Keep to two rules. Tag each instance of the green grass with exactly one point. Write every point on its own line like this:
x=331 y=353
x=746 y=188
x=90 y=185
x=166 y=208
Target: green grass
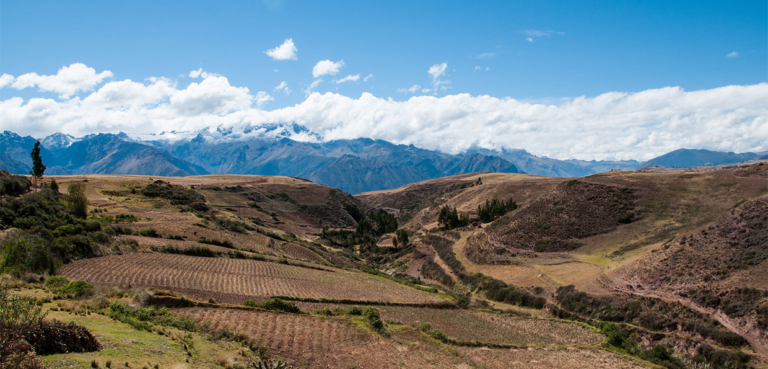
x=122 y=343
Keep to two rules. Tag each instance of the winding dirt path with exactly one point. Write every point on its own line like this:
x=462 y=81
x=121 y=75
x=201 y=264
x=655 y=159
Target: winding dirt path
x=752 y=335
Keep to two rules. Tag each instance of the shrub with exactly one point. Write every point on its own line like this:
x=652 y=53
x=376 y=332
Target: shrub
x=151 y=232
x=78 y=201
x=280 y=305
x=56 y=282
x=177 y=237
x=355 y=310
x=250 y=303
x=425 y=327
x=77 y=288
x=15 y=310
x=225 y=243
x=439 y=335
x=20 y=254
x=325 y=311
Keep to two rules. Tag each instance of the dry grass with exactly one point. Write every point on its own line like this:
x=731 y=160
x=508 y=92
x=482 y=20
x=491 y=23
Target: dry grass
x=471 y=325
x=231 y=280
x=570 y=358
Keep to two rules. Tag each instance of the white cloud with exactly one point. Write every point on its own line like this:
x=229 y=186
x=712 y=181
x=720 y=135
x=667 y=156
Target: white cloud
x=68 y=81
x=367 y=77
x=529 y=39
x=411 y=89
x=613 y=125
x=732 y=54
x=349 y=78
x=437 y=70
x=286 y=51
x=311 y=87
x=6 y=80
x=324 y=67
x=283 y=87
x=201 y=73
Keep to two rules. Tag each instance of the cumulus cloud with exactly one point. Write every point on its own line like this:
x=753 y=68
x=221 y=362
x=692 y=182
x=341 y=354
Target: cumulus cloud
x=6 y=80
x=349 y=78
x=324 y=67
x=200 y=73
x=732 y=54
x=283 y=87
x=613 y=125
x=286 y=51
x=68 y=81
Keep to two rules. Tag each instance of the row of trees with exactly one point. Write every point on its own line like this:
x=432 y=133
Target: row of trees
x=494 y=208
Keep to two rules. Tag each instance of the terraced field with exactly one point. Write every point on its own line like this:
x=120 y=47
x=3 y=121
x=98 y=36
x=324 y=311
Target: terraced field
x=570 y=358
x=234 y=280
x=328 y=343
x=472 y=325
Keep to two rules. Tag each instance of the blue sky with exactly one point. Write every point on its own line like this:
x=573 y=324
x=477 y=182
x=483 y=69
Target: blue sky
x=595 y=47
x=566 y=79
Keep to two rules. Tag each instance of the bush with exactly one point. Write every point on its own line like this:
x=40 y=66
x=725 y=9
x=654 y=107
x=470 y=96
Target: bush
x=149 y=233
x=15 y=310
x=78 y=201
x=77 y=288
x=21 y=254
x=225 y=243
x=280 y=305
x=177 y=237
x=439 y=335
x=325 y=312
x=54 y=283
x=178 y=195
x=355 y=310
x=250 y=303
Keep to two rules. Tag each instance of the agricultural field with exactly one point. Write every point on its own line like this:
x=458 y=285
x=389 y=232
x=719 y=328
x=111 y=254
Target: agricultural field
x=491 y=293
x=234 y=280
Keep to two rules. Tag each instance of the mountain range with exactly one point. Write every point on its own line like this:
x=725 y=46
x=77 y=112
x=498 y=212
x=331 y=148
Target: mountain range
x=354 y=166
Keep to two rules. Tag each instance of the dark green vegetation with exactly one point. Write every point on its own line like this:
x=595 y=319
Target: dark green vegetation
x=38 y=168
x=495 y=208
x=274 y=304
x=144 y=318
x=50 y=230
x=449 y=218
x=13 y=185
x=178 y=195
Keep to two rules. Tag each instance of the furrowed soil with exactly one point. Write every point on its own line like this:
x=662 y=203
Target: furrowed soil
x=234 y=280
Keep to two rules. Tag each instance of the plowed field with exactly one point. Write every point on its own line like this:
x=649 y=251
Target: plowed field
x=327 y=343
x=234 y=280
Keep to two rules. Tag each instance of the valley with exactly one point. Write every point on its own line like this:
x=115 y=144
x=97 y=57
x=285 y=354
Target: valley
x=619 y=269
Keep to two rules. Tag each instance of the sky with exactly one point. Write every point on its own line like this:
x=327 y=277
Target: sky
x=565 y=79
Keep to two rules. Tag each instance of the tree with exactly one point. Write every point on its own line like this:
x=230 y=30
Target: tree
x=54 y=186
x=394 y=242
x=38 y=168
x=78 y=201
x=449 y=218
x=402 y=237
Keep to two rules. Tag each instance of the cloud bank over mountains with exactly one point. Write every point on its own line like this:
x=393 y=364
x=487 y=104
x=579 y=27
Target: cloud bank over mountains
x=613 y=125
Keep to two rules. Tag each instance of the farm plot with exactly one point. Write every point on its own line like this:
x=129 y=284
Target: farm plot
x=570 y=358
x=234 y=280
x=310 y=342
x=160 y=242
x=486 y=327
x=300 y=252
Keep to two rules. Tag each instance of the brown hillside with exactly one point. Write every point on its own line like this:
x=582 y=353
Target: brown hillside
x=557 y=220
